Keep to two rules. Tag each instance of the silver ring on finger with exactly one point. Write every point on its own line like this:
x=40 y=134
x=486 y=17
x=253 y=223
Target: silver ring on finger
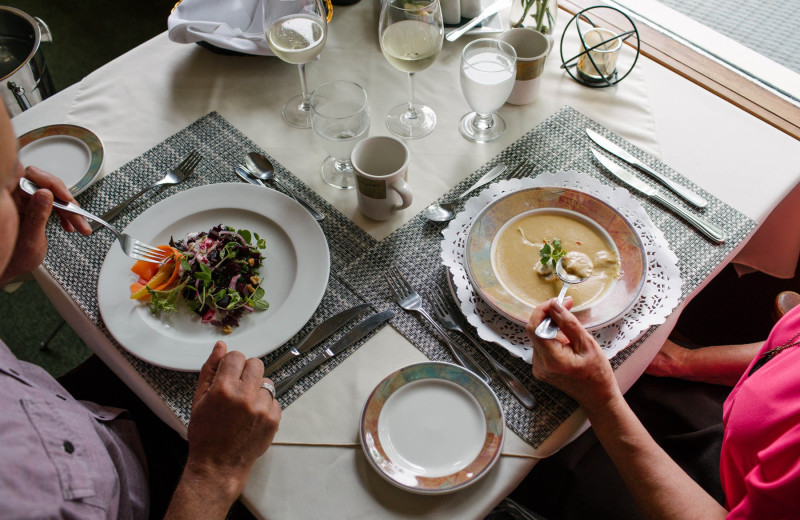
x=269 y=387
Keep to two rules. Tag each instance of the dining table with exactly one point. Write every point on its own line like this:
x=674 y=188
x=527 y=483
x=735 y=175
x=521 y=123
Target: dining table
x=163 y=98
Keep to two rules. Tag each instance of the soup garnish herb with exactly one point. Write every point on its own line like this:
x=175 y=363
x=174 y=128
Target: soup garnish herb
x=551 y=252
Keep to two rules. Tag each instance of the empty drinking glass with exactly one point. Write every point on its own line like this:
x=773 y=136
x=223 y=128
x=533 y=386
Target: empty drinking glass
x=340 y=118
x=488 y=70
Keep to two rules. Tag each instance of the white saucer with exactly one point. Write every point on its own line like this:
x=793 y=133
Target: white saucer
x=71 y=153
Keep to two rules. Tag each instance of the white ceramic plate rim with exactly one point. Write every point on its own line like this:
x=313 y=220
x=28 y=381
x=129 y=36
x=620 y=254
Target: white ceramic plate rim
x=145 y=336
x=92 y=143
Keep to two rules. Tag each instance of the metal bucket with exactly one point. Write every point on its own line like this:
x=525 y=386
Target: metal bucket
x=25 y=78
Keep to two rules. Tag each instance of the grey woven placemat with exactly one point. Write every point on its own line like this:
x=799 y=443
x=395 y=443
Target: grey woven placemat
x=559 y=143
x=75 y=261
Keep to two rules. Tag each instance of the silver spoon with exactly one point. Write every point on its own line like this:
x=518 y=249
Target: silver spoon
x=259 y=167
x=547 y=329
x=446 y=211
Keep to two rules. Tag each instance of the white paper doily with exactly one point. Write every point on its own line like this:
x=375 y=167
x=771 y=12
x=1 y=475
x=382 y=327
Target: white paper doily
x=662 y=288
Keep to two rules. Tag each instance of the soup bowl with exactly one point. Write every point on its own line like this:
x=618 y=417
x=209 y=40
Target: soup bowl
x=485 y=273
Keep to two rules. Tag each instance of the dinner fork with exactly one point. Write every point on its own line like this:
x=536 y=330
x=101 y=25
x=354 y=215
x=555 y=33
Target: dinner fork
x=175 y=175
x=133 y=248
x=522 y=170
x=410 y=300
x=455 y=321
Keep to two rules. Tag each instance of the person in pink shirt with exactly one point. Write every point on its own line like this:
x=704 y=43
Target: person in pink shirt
x=760 y=454
x=760 y=460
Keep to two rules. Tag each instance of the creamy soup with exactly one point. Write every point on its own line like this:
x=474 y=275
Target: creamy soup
x=517 y=263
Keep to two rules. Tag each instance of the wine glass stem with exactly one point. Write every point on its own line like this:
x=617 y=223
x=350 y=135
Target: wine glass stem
x=412 y=110
x=342 y=166
x=482 y=121
x=305 y=106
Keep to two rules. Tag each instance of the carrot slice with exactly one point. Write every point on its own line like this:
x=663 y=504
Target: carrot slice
x=174 y=278
x=162 y=275
x=147 y=270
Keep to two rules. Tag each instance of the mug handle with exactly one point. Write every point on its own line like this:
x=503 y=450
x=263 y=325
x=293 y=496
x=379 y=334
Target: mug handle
x=401 y=188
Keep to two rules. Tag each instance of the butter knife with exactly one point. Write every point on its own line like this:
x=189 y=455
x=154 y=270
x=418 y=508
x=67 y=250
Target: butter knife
x=486 y=13
x=710 y=230
x=688 y=195
x=246 y=178
x=350 y=338
x=320 y=333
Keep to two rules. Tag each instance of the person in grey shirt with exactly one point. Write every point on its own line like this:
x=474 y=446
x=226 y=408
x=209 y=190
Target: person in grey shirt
x=65 y=458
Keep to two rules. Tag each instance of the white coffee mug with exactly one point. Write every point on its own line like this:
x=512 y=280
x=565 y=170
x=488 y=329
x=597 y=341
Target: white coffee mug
x=532 y=48
x=381 y=167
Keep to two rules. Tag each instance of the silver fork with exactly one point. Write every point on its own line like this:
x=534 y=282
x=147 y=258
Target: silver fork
x=522 y=170
x=410 y=300
x=453 y=320
x=135 y=249
x=176 y=175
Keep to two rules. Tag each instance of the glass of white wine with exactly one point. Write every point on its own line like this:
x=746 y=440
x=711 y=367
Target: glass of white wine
x=411 y=33
x=488 y=71
x=296 y=31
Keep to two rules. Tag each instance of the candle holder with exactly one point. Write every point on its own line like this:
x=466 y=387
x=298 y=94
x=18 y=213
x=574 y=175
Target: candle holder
x=595 y=65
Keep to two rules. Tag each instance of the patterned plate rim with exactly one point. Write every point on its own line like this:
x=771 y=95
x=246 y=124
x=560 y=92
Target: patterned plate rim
x=400 y=477
x=625 y=237
x=89 y=138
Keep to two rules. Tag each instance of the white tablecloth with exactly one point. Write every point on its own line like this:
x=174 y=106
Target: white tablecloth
x=316 y=469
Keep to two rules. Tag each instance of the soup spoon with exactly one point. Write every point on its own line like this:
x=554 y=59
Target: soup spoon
x=259 y=167
x=547 y=329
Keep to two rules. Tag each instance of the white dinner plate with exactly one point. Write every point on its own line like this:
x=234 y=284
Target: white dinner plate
x=432 y=428
x=294 y=272
x=72 y=153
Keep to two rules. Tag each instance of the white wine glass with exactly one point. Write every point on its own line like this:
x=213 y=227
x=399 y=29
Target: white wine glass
x=296 y=31
x=411 y=33
x=340 y=119
x=488 y=71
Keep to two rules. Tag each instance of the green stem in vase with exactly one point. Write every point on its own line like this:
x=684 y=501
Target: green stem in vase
x=541 y=16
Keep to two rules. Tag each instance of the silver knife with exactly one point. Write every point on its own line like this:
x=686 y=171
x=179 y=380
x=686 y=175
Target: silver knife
x=710 y=230
x=513 y=384
x=486 y=13
x=320 y=333
x=352 y=336
x=246 y=178
x=687 y=194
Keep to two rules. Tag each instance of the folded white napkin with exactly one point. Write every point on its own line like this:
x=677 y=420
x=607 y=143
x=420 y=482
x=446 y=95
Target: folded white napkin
x=236 y=25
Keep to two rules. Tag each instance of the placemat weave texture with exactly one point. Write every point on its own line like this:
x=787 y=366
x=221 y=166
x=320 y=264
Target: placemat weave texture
x=557 y=144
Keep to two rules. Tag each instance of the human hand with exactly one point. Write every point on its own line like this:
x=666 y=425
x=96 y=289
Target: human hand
x=34 y=210
x=572 y=362
x=668 y=361
x=233 y=419
x=46 y=181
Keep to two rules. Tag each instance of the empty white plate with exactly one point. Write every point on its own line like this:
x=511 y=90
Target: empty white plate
x=71 y=153
x=432 y=428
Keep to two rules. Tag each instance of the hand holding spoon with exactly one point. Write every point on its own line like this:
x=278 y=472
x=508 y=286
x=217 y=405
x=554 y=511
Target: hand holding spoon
x=547 y=329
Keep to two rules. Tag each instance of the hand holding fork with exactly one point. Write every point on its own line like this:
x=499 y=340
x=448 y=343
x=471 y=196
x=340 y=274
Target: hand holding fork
x=133 y=248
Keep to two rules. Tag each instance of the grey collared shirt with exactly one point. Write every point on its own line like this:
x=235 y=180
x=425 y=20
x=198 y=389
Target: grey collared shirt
x=62 y=458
